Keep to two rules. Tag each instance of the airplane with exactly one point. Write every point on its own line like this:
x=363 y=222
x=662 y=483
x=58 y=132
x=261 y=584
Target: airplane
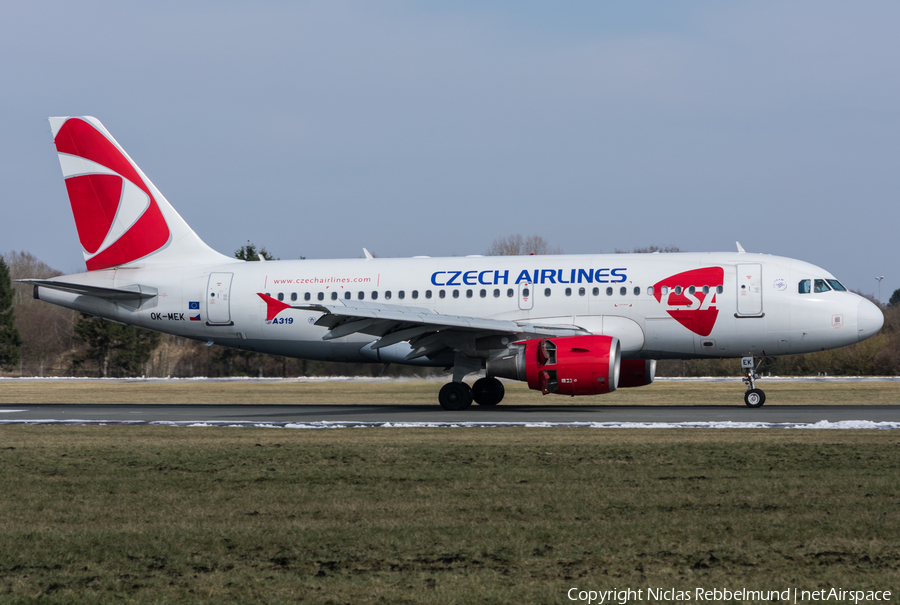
x=564 y=324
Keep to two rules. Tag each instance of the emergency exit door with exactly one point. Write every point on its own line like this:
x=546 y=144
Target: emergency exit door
x=526 y=296
x=218 y=299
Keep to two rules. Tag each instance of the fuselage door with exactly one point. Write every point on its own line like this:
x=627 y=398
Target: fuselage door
x=526 y=296
x=218 y=299
x=749 y=289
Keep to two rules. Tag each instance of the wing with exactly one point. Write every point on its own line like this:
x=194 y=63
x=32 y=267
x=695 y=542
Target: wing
x=427 y=332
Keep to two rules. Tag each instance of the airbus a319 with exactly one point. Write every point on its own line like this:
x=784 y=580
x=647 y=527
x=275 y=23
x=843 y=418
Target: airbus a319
x=565 y=324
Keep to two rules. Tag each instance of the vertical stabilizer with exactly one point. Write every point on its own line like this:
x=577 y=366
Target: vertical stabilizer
x=121 y=217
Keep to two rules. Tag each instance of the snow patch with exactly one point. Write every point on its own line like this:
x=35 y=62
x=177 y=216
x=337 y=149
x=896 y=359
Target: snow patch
x=822 y=424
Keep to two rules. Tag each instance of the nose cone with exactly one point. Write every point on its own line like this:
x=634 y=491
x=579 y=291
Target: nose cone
x=869 y=319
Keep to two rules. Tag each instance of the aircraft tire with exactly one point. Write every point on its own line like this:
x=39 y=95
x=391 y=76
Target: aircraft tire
x=455 y=396
x=488 y=391
x=754 y=398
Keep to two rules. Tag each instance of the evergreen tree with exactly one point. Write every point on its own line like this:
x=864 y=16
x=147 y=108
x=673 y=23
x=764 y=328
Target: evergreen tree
x=249 y=252
x=10 y=340
x=895 y=298
x=117 y=350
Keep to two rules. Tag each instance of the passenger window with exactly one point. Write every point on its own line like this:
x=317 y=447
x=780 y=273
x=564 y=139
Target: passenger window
x=678 y=290
x=546 y=291
x=374 y=294
x=803 y=286
x=581 y=291
x=820 y=286
x=281 y=296
x=637 y=291
x=719 y=289
x=692 y=289
x=442 y=293
x=347 y=295
x=361 y=295
x=483 y=293
x=321 y=296
x=415 y=294
x=526 y=292
x=568 y=291
x=609 y=291
x=596 y=291
x=387 y=294
x=650 y=290
x=306 y=296
x=496 y=292
x=468 y=294
x=401 y=294
x=293 y=296
x=623 y=290
x=838 y=286
x=510 y=293
x=706 y=289
x=334 y=295
x=664 y=291
x=456 y=294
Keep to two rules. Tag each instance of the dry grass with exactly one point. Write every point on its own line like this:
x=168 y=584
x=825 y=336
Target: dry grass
x=161 y=514
x=425 y=392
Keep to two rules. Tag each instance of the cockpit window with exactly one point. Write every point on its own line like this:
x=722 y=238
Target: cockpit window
x=837 y=285
x=804 y=286
x=821 y=286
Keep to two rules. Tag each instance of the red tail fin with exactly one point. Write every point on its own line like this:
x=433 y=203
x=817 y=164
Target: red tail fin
x=118 y=219
x=121 y=217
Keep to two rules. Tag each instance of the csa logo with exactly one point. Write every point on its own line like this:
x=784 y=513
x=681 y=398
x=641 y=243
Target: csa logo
x=696 y=310
x=117 y=217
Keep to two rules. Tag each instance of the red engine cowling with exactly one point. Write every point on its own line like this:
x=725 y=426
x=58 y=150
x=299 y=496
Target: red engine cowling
x=569 y=365
x=636 y=372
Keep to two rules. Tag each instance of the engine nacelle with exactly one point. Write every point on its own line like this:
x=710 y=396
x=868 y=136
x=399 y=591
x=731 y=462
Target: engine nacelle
x=636 y=372
x=568 y=365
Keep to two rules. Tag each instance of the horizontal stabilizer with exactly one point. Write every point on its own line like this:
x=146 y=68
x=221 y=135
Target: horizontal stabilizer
x=135 y=292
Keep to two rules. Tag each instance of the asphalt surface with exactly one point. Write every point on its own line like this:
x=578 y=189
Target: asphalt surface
x=318 y=416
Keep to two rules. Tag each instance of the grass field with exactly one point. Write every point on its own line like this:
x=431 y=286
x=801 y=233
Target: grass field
x=425 y=392
x=167 y=515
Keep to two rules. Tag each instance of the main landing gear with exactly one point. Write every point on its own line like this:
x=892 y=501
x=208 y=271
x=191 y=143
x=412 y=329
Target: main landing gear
x=754 y=398
x=458 y=396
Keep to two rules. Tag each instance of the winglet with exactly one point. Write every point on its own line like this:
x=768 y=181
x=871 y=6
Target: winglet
x=368 y=254
x=273 y=307
x=740 y=248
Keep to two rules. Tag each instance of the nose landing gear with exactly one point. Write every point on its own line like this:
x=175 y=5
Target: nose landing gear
x=754 y=398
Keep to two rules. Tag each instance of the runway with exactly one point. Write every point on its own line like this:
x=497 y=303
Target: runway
x=338 y=416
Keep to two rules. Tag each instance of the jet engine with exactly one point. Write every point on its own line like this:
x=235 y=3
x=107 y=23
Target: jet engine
x=568 y=365
x=636 y=372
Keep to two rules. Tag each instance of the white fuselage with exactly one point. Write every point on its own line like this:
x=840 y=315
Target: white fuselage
x=658 y=305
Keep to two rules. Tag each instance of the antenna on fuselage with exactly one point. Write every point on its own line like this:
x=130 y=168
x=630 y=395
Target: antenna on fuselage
x=740 y=248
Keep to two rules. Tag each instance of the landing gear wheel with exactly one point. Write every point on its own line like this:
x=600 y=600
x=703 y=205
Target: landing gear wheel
x=455 y=396
x=488 y=391
x=754 y=398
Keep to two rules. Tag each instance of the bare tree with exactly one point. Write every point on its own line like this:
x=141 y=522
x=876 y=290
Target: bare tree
x=651 y=249
x=46 y=329
x=516 y=245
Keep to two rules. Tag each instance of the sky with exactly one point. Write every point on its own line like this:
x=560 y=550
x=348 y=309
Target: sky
x=315 y=129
